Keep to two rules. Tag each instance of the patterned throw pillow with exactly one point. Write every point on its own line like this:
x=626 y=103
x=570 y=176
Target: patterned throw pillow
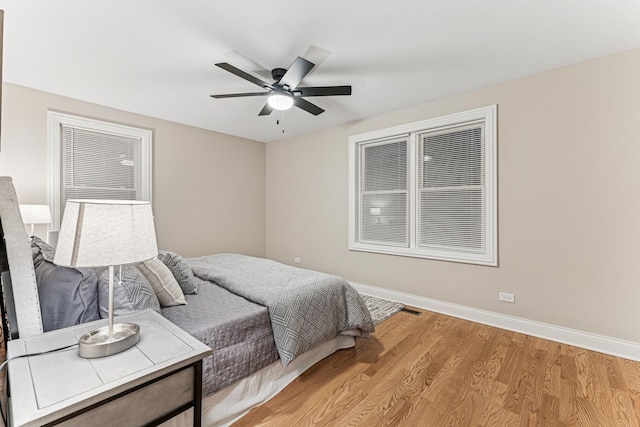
x=181 y=271
x=134 y=294
x=163 y=283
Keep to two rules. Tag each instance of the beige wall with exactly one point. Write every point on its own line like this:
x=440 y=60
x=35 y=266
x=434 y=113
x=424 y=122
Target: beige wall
x=208 y=188
x=569 y=202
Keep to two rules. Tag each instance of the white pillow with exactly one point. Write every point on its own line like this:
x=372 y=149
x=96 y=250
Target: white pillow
x=163 y=283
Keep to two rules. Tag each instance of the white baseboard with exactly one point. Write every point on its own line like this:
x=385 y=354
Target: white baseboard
x=600 y=343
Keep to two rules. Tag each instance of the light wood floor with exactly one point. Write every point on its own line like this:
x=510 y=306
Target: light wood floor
x=436 y=370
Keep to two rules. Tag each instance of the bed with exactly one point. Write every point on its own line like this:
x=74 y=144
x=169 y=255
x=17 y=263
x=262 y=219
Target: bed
x=240 y=311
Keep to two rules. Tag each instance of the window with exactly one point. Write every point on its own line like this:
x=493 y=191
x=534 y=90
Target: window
x=427 y=189
x=90 y=159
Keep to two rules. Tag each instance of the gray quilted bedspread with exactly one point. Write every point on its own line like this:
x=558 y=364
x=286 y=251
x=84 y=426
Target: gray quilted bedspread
x=306 y=307
x=238 y=332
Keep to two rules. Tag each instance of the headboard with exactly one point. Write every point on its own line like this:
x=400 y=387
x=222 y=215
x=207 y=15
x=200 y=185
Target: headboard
x=19 y=287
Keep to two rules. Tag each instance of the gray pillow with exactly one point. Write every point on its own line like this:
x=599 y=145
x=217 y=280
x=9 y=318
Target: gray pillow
x=68 y=296
x=180 y=270
x=134 y=294
x=38 y=246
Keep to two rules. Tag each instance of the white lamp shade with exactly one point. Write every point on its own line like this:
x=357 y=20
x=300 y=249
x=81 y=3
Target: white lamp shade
x=279 y=101
x=375 y=211
x=97 y=233
x=35 y=214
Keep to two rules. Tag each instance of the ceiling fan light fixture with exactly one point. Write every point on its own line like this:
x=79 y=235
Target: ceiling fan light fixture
x=279 y=101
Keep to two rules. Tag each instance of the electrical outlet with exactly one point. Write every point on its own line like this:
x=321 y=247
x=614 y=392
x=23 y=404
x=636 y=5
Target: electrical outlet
x=296 y=260
x=507 y=297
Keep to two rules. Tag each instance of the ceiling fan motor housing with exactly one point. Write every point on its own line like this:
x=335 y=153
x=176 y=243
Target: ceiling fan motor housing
x=278 y=73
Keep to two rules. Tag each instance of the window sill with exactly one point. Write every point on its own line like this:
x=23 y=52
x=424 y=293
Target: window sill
x=488 y=259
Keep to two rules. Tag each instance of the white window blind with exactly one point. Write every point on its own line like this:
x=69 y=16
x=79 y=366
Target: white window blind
x=97 y=165
x=90 y=159
x=384 y=193
x=451 y=189
x=426 y=189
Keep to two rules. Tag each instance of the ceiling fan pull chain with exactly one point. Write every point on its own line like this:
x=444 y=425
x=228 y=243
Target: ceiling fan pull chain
x=280 y=119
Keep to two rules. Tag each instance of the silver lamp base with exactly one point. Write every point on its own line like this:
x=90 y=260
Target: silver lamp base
x=98 y=343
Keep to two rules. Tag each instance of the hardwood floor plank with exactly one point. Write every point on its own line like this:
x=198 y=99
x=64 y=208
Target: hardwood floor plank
x=535 y=365
x=552 y=378
x=631 y=374
x=587 y=413
x=512 y=362
x=602 y=396
x=550 y=410
x=616 y=378
x=437 y=370
x=623 y=410
x=635 y=404
x=568 y=414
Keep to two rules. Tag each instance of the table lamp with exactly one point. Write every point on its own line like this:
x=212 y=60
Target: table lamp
x=98 y=233
x=35 y=214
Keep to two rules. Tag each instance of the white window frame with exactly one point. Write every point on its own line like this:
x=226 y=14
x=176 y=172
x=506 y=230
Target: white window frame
x=55 y=121
x=488 y=115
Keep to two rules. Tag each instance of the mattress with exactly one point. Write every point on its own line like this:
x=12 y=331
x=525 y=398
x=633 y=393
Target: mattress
x=237 y=330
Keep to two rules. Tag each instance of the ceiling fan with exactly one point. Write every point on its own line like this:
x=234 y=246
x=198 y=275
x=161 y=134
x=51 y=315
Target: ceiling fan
x=284 y=92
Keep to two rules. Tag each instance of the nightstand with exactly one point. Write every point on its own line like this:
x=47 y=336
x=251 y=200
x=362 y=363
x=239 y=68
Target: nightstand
x=145 y=385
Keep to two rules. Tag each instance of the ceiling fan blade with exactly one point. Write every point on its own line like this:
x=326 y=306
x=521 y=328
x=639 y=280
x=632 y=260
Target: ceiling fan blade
x=296 y=72
x=238 y=72
x=324 y=91
x=249 y=65
x=266 y=110
x=238 y=95
x=307 y=106
x=316 y=54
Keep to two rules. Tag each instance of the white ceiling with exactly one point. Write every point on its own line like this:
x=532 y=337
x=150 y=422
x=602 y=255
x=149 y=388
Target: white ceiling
x=156 y=57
